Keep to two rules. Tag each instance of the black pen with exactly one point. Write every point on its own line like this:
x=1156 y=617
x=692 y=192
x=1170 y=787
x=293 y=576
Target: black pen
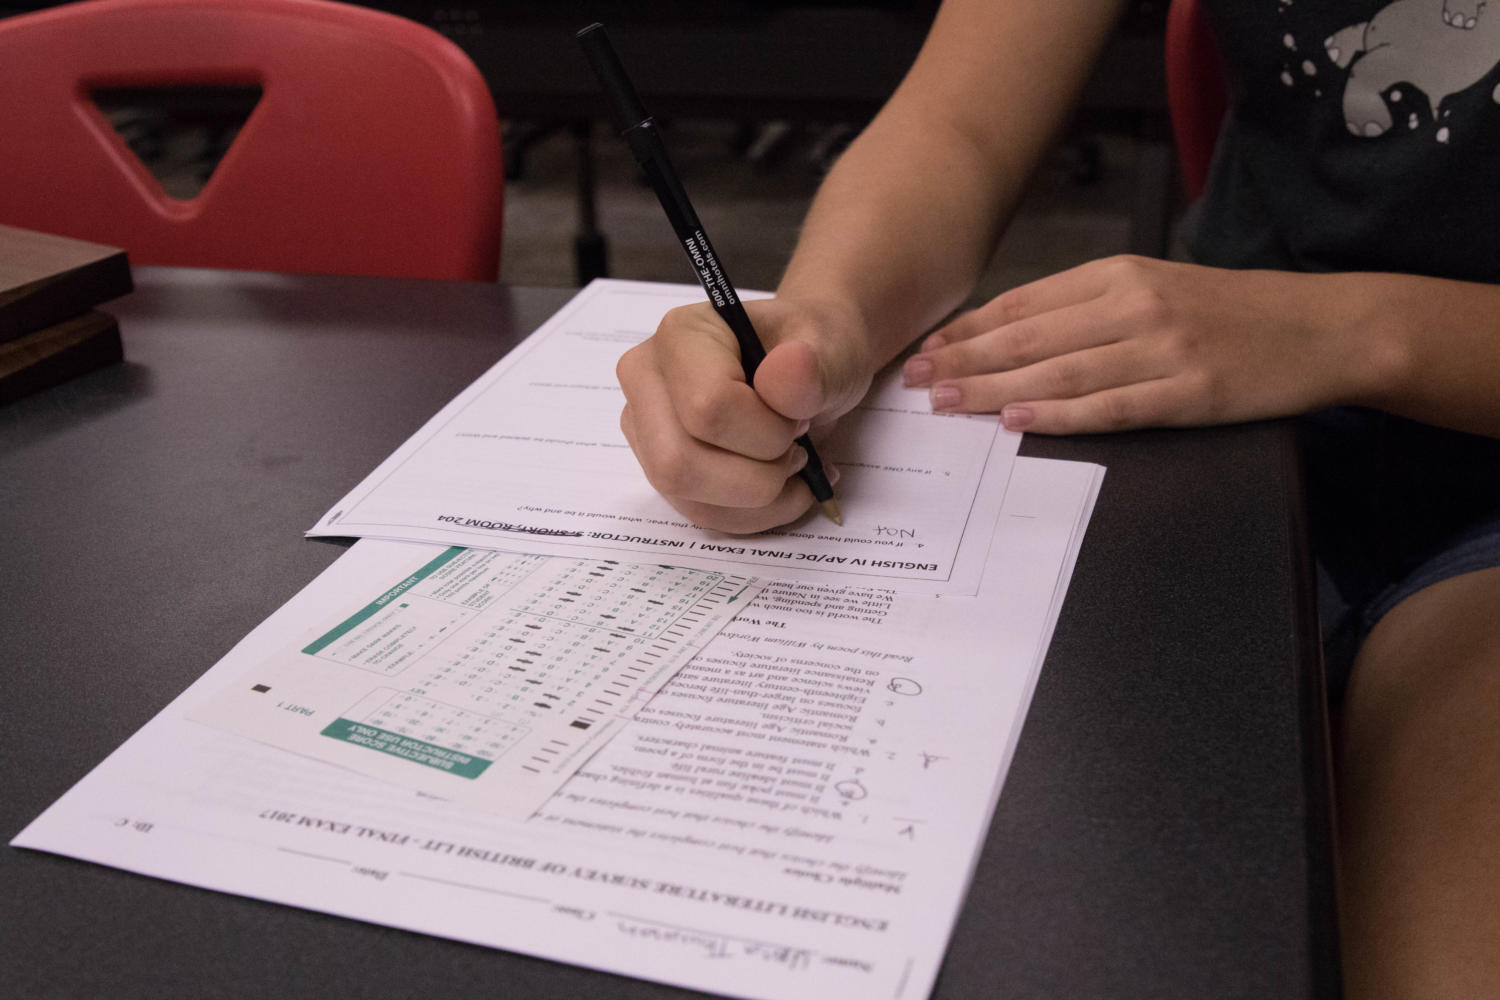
x=641 y=133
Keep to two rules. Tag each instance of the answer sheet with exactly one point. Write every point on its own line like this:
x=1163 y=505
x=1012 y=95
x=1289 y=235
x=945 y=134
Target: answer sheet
x=531 y=458
x=795 y=816
x=480 y=676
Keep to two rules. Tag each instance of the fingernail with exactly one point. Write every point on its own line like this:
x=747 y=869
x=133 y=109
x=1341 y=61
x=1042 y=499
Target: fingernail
x=831 y=473
x=803 y=426
x=933 y=342
x=1017 y=418
x=799 y=459
x=917 y=371
x=945 y=397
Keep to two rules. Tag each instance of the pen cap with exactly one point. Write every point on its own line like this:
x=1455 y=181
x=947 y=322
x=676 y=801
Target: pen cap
x=627 y=107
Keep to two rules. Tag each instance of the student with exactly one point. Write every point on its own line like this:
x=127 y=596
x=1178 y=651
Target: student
x=1349 y=240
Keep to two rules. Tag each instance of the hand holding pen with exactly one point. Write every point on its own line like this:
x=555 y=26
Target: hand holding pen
x=758 y=435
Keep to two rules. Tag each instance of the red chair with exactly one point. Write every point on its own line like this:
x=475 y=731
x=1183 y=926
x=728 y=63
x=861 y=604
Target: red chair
x=1197 y=91
x=374 y=147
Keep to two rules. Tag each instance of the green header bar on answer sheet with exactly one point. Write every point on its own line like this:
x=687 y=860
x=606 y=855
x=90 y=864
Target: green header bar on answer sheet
x=417 y=751
x=369 y=610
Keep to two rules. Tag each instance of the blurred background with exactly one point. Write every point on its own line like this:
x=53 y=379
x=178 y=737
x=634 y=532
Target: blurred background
x=756 y=98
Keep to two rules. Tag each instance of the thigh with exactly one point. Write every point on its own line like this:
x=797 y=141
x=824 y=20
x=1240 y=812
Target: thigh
x=1418 y=786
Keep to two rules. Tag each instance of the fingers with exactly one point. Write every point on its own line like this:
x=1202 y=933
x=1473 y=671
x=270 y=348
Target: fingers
x=1122 y=408
x=682 y=467
x=1073 y=374
x=1128 y=342
x=690 y=374
x=1096 y=348
x=718 y=450
x=1027 y=341
x=1066 y=288
x=794 y=500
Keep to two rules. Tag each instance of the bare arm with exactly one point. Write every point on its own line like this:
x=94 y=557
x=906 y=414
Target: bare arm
x=894 y=241
x=1440 y=345
x=911 y=212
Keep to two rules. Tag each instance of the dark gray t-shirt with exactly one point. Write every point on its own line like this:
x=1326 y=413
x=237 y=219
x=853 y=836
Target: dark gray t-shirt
x=1364 y=135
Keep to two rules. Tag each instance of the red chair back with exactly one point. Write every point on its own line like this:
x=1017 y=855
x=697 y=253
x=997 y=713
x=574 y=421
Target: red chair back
x=1197 y=91
x=374 y=147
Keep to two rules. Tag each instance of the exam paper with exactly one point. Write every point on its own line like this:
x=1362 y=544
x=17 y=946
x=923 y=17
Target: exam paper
x=481 y=676
x=531 y=458
x=795 y=816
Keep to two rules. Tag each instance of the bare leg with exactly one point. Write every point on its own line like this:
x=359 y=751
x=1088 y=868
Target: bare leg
x=1419 y=799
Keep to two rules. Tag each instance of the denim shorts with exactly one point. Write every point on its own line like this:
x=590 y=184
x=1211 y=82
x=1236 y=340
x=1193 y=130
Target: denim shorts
x=1394 y=506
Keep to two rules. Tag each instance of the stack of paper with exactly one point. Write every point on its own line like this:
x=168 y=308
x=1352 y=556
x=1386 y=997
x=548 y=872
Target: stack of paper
x=531 y=457
x=795 y=813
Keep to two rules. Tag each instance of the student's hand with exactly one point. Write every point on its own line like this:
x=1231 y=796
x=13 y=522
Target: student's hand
x=718 y=450
x=1133 y=342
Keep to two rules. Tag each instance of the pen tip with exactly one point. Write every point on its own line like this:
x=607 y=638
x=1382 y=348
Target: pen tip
x=833 y=510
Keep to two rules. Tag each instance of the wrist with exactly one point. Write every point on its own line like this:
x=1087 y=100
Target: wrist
x=1373 y=335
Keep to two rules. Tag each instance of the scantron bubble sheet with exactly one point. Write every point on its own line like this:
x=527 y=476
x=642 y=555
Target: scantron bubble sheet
x=484 y=677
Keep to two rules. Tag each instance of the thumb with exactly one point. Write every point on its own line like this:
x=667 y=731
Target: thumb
x=790 y=381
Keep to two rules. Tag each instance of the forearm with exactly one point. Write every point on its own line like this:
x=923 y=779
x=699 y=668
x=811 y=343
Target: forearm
x=884 y=239
x=910 y=213
x=1432 y=348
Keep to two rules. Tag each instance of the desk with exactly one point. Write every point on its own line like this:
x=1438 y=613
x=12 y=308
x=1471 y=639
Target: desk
x=1163 y=832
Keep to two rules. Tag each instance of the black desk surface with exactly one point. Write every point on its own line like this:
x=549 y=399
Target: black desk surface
x=1163 y=831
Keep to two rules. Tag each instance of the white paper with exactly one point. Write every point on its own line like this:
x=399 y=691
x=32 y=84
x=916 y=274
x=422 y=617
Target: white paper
x=531 y=458
x=481 y=676
x=795 y=816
